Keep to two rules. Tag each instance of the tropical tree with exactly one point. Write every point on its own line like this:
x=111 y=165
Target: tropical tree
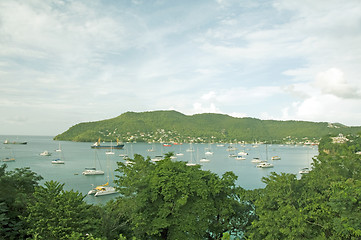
x=17 y=187
x=57 y=214
x=169 y=200
x=277 y=209
x=114 y=221
x=345 y=201
x=324 y=204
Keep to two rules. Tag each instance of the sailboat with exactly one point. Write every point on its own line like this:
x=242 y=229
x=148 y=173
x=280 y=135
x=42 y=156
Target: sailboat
x=104 y=189
x=257 y=160
x=305 y=170
x=151 y=149
x=203 y=160
x=265 y=164
x=57 y=161
x=9 y=159
x=190 y=149
x=209 y=150
x=59 y=149
x=60 y=159
x=45 y=153
x=191 y=163
x=92 y=170
x=242 y=153
x=240 y=157
x=180 y=151
x=157 y=158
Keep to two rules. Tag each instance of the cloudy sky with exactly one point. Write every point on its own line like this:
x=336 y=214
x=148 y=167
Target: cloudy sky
x=64 y=62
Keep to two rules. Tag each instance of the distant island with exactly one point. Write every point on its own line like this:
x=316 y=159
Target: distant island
x=175 y=127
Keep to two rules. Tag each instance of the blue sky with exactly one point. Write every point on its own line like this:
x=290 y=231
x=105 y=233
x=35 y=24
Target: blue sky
x=65 y=62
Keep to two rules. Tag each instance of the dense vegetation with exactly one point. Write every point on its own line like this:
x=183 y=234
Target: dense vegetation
x=169 y=200
x=173 y=126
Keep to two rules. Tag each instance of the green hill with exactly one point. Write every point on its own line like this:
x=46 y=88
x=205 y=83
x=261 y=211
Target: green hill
x=207 y=127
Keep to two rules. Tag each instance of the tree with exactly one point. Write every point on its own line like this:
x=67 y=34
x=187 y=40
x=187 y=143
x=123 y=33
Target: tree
x=277 y=209
x=324 y=204
x=345 y=200
x=57 y=214
x=169 y=200
x=17 y=187
x=114 y=219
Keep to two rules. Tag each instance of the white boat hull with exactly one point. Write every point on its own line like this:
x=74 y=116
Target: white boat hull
x=8 y=160
x=93 y=172
x=191 y=164
x=265 y=165
x=204 y=160
x=57 y=162
x=106 y=191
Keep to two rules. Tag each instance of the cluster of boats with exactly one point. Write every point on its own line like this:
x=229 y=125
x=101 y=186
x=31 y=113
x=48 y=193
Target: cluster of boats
x=59 y=160
x=208 y=151
x=100 y=190
x=12 y=158
x=260 y=163
x=106 y=189
x=239 y=156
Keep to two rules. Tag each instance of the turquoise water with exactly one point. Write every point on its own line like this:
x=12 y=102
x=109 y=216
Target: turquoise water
x=78 y=156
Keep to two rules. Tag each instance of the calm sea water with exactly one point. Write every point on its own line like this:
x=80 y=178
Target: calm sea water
x=78 y=156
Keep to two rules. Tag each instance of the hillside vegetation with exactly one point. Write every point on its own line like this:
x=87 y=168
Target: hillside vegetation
x=168 y=126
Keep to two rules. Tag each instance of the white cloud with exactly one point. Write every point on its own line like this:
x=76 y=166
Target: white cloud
x=324 y=108
x=329 y=98
x=332 y=81
x=205 y=108
x=238 y=115
x=209 y=96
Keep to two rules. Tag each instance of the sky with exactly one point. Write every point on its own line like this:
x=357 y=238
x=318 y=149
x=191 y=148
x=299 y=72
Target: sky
x=64 y=62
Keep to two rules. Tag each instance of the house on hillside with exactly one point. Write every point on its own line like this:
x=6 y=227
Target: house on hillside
x=339 y=139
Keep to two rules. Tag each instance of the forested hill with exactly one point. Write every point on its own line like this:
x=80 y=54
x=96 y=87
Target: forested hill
x=169 y=126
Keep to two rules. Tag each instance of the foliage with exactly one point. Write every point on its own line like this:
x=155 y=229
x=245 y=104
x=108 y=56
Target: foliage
x=345 y=200
x=16 y=187
x=209 y=127
x=324 y=204
x=58 y=214
x=114 y=219
x=169 y=200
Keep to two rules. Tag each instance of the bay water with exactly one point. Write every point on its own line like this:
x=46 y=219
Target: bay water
x=79 y=155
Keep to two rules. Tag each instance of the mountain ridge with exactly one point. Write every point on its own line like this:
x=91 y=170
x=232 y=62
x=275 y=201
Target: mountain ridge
x=170 y=125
